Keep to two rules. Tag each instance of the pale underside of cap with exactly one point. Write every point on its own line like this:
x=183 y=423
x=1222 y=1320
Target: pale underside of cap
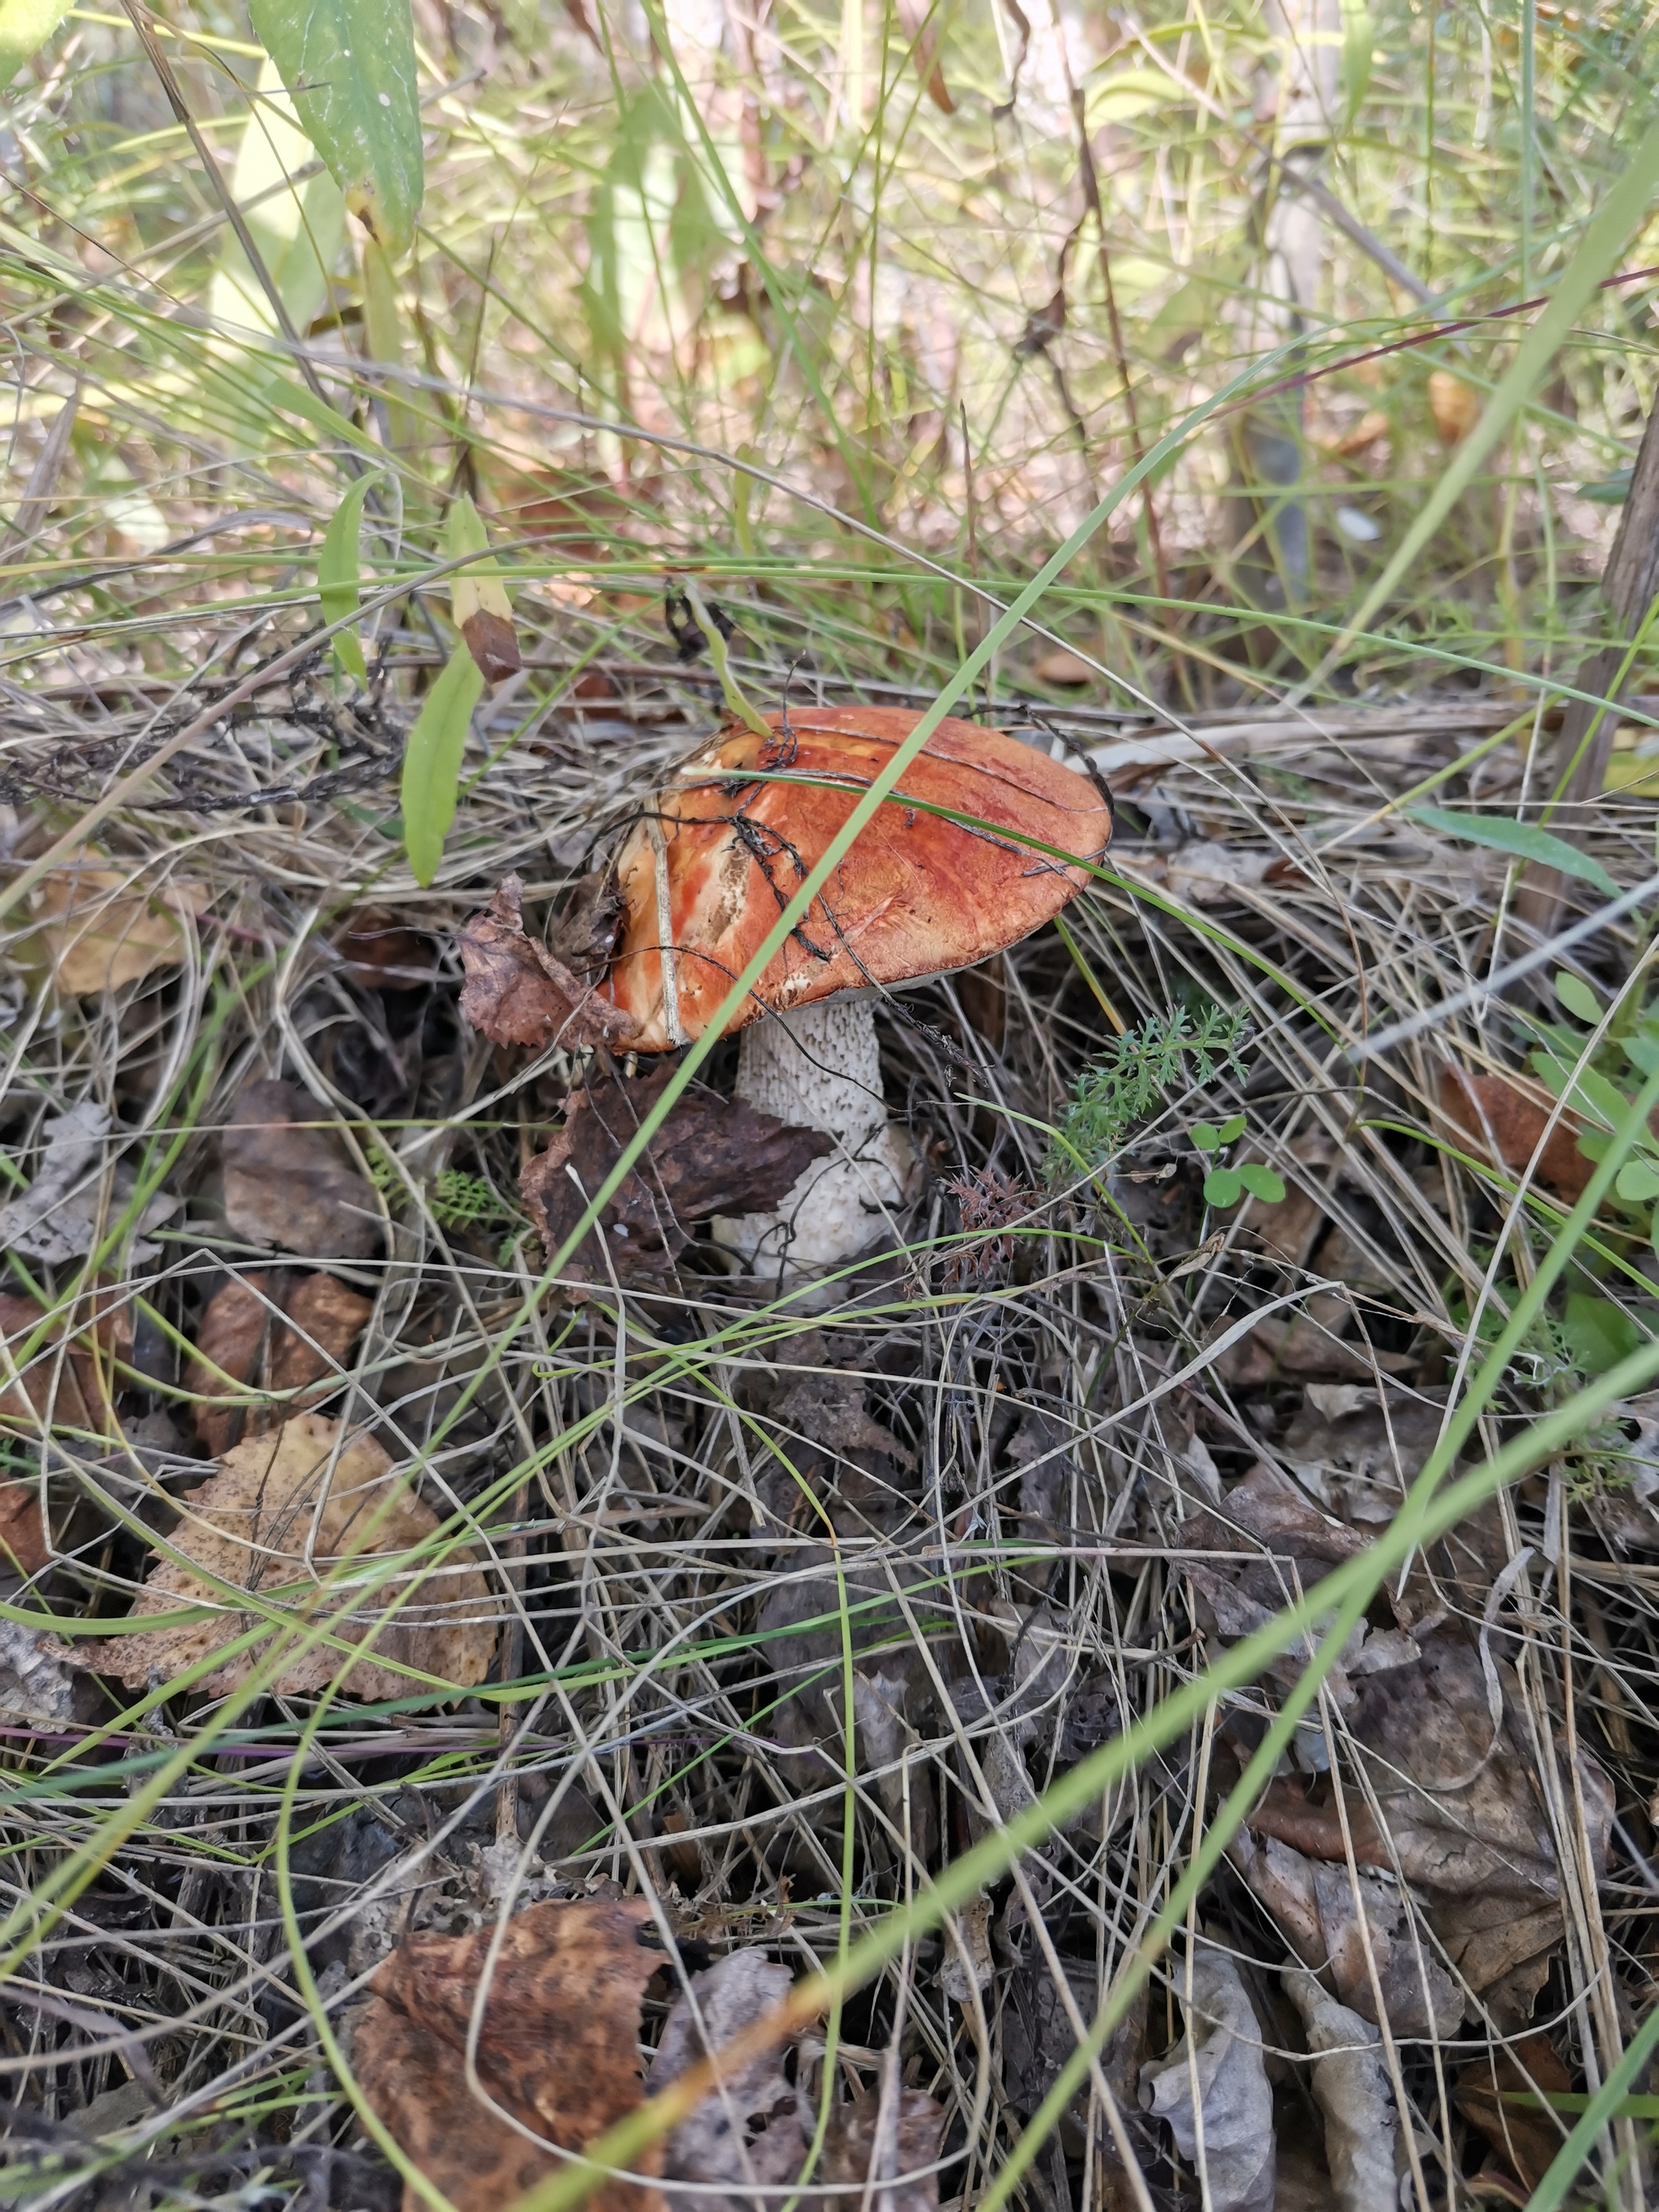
x=717 y=855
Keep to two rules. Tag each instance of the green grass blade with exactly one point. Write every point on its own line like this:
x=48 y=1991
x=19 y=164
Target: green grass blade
x=339 y=574
x=1525 y=839
x=432 y=765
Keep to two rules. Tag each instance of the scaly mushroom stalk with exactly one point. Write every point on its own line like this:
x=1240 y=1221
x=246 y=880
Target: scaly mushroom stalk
x=820 y=1068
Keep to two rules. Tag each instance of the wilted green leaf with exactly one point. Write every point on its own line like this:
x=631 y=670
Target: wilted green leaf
x=432 y=765
x=351 y=67
x=338 y=574
x=25 y=27
x=1223 y=1187
x=1261 y=1182
x=1525 y=839
x=1577 y=998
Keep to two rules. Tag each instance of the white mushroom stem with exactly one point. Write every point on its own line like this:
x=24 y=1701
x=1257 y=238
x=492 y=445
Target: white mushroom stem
x=820 y=1068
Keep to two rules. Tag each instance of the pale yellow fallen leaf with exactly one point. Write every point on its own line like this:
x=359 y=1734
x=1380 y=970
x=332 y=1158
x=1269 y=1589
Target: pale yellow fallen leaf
x=98 y=930
x=285 y=1513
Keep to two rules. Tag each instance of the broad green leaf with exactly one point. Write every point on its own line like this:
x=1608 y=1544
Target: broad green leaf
x=351 y=67
x=1525 y=839
x=1223 y=1187
x=1205 y=1136
x=339 y=576
x=1588 y=1091
x=1599 y=1333
x=297 y=229
x=1576 y=996
x=432 y=765
x=1232 y=1129
x=1261 y=1182
x=1638 y=1183
x=25 y=27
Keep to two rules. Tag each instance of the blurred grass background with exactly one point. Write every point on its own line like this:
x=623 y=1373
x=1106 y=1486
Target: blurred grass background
x=947 y=272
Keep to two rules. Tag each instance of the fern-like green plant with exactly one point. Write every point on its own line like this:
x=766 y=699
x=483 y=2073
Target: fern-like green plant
x=1133 y=1078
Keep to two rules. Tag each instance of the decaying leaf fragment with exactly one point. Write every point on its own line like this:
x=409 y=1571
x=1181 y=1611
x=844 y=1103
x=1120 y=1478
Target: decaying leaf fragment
x=517 y=992
x=284 y=1514
x=290 y=1182
x=880 y=2148
x=558 y=2051
x=1217 y=2070
x=713 y=1155
x=274 y=1333
x=64 y=1212
x=754 y=2127
x=23 y=1534
x=1502 y=1118
x=99 y=931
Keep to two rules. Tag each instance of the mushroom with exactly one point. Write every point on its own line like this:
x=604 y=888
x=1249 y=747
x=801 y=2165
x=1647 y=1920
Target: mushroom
x=717 y=855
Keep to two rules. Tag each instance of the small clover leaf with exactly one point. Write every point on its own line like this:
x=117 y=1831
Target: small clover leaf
x=1232 y=1129
x=1638 y=1181
x=1206 y=1136
x=1223 y=1187
x=1261 y=1182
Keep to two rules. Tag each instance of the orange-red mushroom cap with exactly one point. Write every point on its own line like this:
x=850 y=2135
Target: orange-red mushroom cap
x=717 y=856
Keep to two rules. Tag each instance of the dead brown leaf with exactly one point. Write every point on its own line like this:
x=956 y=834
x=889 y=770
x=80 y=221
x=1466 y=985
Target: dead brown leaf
x=23 y=1533
x=282 y=1513
x=713 y=1155
x=66 y=1382
x=378 y=951
x=1454 y=405
x=271 y=1332
x=494 y=644
x=924 y=45
x=1456 y=1817
x=1498 y=1114
x=1315 y=1902
x=290 y=1182
x=878 y=2149
x=558 y=2051
x=97 y=932
x=517 y=992
x=1524 y=2140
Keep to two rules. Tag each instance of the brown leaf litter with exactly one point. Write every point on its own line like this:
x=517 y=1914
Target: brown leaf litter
x=273 y=1332
x=73 y=1203
x=558 y=2051
x=283 y=1513
x=290 y=1184
x=712 y=1156
x=1427 y=1718
x=101 y=927
x=67 y=1381
x=517 y=992
x=1213 y=2085
x=558 y=2064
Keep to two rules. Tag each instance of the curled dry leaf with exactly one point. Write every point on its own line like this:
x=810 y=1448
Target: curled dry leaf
x=491 y=639
x=23 y=1546
x=283 y=1513
x=1350 y=2088
x=1220 y=2054
x=290 y=1182
x=66 y=1380
x=713 y=1155
x=557 y=2051
x=270 y=1331
x=1504 y=1119
x=98 y=931
x=517 y=992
